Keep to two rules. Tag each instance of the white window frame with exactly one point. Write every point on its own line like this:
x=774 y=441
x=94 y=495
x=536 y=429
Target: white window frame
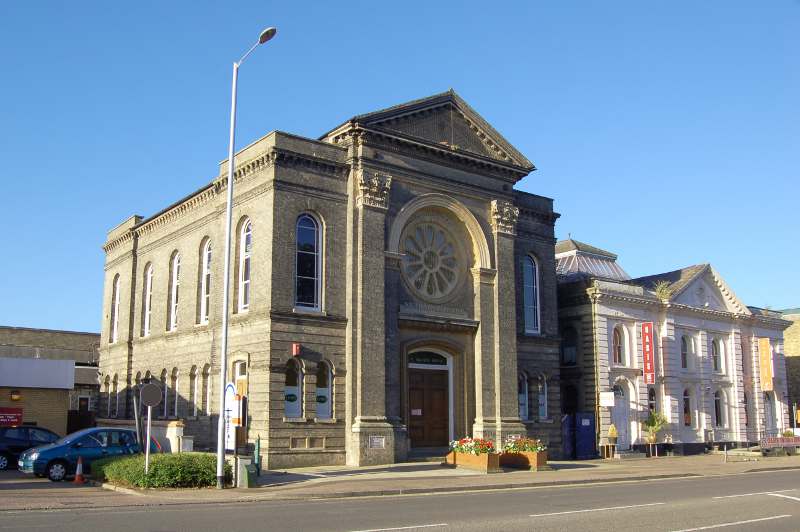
x=193 y=380
x=175 y=384
x=530 y=296
x=245 y=256
x=108 y=398
x=523 y=399
x=623 y=341
x=115 y=310
x=542 y=397
x=327 y=391
x=175 y=275
x=207 y=385
x=317 y=253
x=148 y=300
x=300 y=391
x=205 y=283
x=720 y=421
x=165 y=398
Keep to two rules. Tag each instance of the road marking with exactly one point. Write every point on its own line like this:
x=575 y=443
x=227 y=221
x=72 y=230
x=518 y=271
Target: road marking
x=785 y=496
x=599 y=509
x=401 y=528
x=733 y=523
x=756 y=493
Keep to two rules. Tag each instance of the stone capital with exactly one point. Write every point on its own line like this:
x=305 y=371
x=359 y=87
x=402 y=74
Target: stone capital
x=373 y=189
x=504 y=217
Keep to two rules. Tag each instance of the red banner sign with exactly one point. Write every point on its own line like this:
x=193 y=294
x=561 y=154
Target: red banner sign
x=10 y=417
x=647 y=353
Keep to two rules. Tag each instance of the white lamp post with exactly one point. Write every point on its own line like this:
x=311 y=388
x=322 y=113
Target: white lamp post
x=265 y=35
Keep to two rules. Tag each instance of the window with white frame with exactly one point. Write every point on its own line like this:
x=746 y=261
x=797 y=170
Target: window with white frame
x=293 y=390
x=175 y=281
x=718 y=355
x=651 y=399
x=687 y=408
x=324 y=391
x=147 y=308
x=307 y=263
x=719 y=409
x=114 y=326
x=116 y=391
x=206 y=395
x=107 y=386
x=618 y=346
x=542 y=398
x=205 y=281
x=522 y=396
x=175 y=384
x=684 y=352
x=245 y=263
x=164 y=393
x=530 y=294
x=193 y=385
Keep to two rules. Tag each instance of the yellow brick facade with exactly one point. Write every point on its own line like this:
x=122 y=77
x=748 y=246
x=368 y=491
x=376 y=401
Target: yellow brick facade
x=43 y=406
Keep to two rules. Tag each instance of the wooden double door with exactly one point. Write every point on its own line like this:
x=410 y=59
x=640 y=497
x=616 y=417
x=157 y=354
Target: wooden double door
x=429 y=407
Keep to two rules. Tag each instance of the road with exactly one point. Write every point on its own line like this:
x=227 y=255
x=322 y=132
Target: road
x=750 y=501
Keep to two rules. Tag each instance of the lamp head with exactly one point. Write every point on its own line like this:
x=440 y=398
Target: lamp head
x=267 y=34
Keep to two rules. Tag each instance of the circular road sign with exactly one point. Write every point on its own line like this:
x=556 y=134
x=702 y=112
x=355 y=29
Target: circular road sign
x=151 y=395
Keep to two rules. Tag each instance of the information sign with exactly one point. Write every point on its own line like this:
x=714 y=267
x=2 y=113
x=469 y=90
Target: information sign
x=649 y=369
x=10 y=417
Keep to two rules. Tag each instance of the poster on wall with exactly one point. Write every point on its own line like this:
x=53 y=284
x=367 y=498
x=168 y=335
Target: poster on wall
x=649 y=369
x=765 y=363
x=232 y=416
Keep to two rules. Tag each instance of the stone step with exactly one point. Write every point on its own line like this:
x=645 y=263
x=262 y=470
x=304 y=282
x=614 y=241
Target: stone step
x=629 y=455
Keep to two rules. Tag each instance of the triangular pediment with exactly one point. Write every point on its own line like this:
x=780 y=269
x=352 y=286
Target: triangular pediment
x=445 y=120
x=708 y=290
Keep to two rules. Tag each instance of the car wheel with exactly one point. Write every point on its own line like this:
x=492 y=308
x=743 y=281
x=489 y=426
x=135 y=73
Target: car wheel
x=56 y=470
x=5 y=461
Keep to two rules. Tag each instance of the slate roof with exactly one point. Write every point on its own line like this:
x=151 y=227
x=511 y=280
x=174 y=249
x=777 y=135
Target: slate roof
x=564 y=246
x=678 y=279
x=576 y=260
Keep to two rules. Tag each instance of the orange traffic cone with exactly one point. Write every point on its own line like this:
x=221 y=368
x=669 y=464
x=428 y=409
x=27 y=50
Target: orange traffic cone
x=79 y=472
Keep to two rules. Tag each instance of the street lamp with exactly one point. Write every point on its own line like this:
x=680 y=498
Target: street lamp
x=265 y=35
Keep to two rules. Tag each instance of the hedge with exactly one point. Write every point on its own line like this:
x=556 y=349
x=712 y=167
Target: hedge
x=184 y=470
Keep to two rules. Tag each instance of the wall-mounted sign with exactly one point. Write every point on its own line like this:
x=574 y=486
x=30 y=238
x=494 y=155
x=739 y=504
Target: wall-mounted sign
x=416 y=411
x=765 y=363
x=649 y=369
x=606 y=398
x=377 y=442
x=10 y=417
x=233 y=415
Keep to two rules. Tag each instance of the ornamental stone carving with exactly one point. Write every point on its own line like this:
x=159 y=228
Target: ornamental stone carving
x=504 y=217
x=373 y=189
x=433 y=261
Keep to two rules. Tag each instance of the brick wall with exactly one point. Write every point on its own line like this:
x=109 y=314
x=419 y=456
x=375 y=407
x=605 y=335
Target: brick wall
x=43 y=406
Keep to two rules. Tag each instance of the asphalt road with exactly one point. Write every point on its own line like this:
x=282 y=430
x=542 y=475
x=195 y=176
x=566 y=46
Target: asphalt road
x=751 y=501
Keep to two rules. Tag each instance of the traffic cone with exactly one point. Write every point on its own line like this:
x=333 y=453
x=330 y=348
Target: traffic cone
x=79 y=472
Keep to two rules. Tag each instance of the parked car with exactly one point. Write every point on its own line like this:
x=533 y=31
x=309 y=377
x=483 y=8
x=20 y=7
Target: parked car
x=60 y=459
x=14 y=440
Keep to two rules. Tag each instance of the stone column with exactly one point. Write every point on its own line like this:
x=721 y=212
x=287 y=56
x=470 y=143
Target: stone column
x=370 y=438
x=484 y=425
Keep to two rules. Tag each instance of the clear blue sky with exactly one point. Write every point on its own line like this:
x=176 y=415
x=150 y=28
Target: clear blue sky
x=668 y=132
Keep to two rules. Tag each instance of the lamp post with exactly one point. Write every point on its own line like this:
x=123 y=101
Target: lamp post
x=265 y=35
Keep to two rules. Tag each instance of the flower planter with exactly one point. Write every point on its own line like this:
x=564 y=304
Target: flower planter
x=485 y=463
x=535 y=461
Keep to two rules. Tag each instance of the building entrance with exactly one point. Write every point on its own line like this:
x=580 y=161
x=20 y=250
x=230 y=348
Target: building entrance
x=428 y=400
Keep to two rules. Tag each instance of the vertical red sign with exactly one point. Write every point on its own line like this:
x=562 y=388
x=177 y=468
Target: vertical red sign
x=647 y=353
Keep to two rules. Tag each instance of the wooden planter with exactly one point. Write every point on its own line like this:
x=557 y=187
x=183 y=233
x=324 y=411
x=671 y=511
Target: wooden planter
x=535 y=461
x=485 y=463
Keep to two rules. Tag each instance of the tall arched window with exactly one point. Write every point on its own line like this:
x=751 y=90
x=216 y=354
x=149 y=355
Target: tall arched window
x=245 y=255
x=107 y=389
x=522 y=396
x=147 y=299
x=542 y=398
x=174 y=282
x=164 y=393
x=193 y=385
x=174 y=398
x=651 y=399
x=307 y=263
x=746 y=404
x=205 y=281
x=114 y=325
x=530 y=294
x=324 y=391
x=617 y=346
x=719 y=409
x=687 y=408
x=205 y=398
x=116 y=392
x=293 y=390
x=684 y=353
x=715 y=355
x=569 y=346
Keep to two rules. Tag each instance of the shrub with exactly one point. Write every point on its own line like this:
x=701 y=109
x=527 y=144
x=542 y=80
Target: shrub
x=788 y=433
x=472 y=446
x=184 y=470
x=528 y=445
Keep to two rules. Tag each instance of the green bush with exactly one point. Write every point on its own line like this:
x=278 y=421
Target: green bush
x=184 y=470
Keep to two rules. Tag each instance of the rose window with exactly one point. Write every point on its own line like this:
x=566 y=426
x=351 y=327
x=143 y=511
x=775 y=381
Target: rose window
x=431 y=261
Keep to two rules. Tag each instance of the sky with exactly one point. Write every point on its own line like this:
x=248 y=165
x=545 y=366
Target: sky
x=666 y=131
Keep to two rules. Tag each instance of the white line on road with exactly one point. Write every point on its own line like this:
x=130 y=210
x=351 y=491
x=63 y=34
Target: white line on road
x=401 y=528
x=756 y=493
x=785 y=496
x=733 y=523
x=599 y=509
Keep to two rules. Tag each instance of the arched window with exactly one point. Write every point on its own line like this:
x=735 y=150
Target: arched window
x=113 y=335
x=324 y=391
x=147 y=299
x=687 y=408
x=715 y=355
x=307 y=263
x=175 y=383
x=569 y=346
x=530 y=294
x=193 y=384
x=205 y=398
x=107 y=388
x=542 y=398
x=174 y=281
x=719 y=408
x=522 y=396
x=746 y=403
x=245 y=254
x=205 y=281
x=116 y=391
x=164 y=393
x=684 y=353
x=651 y=399
x=617 y=346
x=293 y=390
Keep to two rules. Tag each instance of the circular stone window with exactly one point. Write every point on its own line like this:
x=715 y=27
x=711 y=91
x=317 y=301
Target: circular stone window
x=432 y=260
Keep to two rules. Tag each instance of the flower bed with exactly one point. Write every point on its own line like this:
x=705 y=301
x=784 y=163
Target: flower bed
x=474 y=453
x=525 y=453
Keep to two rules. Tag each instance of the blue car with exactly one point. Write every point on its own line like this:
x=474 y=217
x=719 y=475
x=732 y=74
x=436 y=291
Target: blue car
x=59 y=459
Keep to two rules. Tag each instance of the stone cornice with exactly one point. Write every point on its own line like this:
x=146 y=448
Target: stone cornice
x=179 y=210
x=538 y=216
x=301 y=319
x=126 y=237
x=287 y=158
x=504 y=217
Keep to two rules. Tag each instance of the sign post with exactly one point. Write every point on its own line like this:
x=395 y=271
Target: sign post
x=151 y=396
x=647 y=353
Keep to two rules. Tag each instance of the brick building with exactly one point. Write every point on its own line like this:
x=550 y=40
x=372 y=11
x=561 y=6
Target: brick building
x=417 y=284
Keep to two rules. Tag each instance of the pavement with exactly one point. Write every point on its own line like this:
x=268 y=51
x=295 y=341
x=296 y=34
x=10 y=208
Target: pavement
x=21 y=492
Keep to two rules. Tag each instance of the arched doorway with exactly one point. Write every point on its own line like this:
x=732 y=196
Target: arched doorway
x=620 y=416
x=430 y=398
